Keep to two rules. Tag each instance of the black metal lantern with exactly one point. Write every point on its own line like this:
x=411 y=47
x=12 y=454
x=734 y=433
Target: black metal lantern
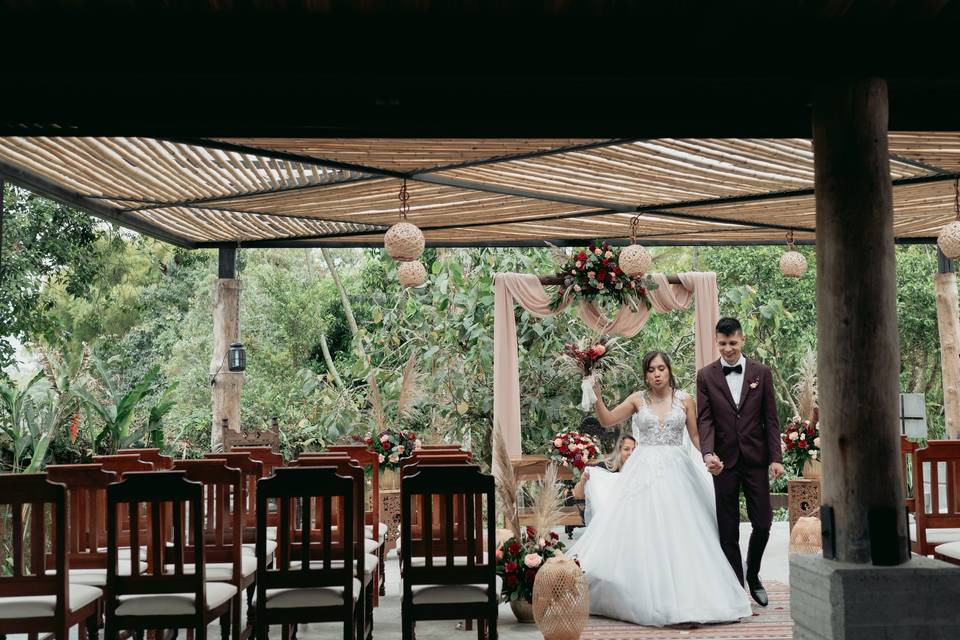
x=237 y=357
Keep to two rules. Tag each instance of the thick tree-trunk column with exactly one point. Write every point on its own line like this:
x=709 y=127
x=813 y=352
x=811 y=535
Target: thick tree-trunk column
x=948 y=322
x=226 y=385
x=858 y=350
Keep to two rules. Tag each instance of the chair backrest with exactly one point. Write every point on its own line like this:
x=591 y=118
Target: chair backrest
x=439 y=456
x=123 y=463
x=264 y=455
x=255 y=437
x=440 y=447
x=934 y=466
x=33 y=515
x=86 y=486
x=449 y=484
x=155 y=497
x=252 y=471
x=367 y=459
x=151 y=454
x=223 y=511
x=347 y=467
x=294 y=489
x=907 y=464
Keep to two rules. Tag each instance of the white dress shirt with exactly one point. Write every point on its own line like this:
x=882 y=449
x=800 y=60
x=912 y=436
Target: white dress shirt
x=734 y=379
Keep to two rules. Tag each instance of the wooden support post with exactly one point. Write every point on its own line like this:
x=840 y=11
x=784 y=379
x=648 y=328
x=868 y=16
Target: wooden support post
x=948 y=322
x=226 y=384
x=857 y=342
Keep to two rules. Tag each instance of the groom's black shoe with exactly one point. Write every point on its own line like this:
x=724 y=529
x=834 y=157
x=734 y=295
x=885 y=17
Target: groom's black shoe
x=757 y=592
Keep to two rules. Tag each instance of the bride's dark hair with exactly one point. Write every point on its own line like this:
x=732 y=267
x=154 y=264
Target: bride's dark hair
x=649 y=357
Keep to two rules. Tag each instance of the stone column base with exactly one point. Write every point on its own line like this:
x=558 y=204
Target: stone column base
x=840 y=601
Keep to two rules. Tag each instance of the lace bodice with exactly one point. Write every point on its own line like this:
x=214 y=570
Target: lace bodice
x=652 y=431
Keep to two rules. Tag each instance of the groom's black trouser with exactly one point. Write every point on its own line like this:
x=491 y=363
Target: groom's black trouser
x=756 y=487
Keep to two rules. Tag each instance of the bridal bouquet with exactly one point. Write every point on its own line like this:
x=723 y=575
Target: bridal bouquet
x=801 y=442
x=519 y=559
x=574 y=450
x=589 y=360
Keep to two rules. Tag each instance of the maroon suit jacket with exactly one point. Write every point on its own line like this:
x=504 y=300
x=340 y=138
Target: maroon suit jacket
x=749 y=434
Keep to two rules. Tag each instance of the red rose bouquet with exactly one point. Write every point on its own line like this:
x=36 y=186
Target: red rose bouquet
x=518 y=561
x=594 y=272
x=392 y=446
x=800 y=442
x=574 y=450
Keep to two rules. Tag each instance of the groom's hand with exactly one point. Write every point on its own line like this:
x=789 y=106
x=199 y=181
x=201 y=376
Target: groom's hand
x=777 y=470
x=714 y=464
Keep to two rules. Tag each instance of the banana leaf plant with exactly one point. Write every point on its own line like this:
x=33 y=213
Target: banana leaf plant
x=28 y=424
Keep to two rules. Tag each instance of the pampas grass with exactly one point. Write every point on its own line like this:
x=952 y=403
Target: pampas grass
x=806 y=387
x=548 y=503
x=506 y=480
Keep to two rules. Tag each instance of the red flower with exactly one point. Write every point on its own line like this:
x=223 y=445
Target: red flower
x=74 y=426
x=369 y=441
x=802 y=444
x=789 y=445
x=564 y=448
x=411 y=436
x=617 y=270
x=387 y=446
x=512 y=581
x=554 y=535
x=510 y=567
x=641 y=291
x=592 y=247
x=514 y=548
x=529 y=575
x=601 y=275
x=606 y=246
x=582 y=256
x=606 y=261
x=531 y=532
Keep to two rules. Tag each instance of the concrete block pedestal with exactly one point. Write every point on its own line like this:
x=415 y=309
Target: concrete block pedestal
x=838 y=601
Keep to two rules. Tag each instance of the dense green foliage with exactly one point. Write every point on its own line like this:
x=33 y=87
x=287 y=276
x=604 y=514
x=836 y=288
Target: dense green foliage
x=144 y=309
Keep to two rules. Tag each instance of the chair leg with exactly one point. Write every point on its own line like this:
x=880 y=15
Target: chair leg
x=468 y=624
x=226 y=621
x=201 y=633
x=250 y=591
x=492 y=626
x=407 y=624
x=481 y=629
x=93 y=623
x=235 y=613
x=383 y=569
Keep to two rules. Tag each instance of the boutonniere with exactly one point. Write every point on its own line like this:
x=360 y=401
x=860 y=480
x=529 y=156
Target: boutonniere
x=755 y=383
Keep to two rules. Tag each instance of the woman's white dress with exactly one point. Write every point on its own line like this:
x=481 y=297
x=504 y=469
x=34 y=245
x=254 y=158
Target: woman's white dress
x=651 y=550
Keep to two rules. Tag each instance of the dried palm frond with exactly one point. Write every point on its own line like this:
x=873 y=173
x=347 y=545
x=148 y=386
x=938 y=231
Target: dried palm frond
x=410 y=390
x=376 y=403
x=548 y=503
x=506 y=481
x=806 y=387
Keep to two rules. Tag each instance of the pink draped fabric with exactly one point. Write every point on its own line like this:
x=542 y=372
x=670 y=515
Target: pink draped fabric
x=526 y=290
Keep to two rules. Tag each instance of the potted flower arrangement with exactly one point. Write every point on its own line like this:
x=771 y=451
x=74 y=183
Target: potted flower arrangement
x=391 y=447
x=518 y=561
x=594 y=272
x=574 y=450
x=801 y=446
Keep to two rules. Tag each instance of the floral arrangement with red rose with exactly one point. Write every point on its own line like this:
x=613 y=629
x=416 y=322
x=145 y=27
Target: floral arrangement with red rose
x=518 y=561
x=392 y=446
x=574 y=451
x=590 y=360
x=594 y=272
x=800 y=442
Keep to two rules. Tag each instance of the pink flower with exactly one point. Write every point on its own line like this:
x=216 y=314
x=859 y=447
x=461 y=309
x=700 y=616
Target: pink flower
x=608 y=254
x=576 y=287
x=598 y=252
x=813 y=455
x=532 y=560
x=591 y=274
x=558 y=443
x=380 y=458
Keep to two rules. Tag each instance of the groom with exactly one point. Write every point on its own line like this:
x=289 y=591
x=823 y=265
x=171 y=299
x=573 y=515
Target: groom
x=740 y=442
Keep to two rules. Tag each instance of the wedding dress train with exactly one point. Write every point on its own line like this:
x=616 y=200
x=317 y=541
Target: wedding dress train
x=651 y=550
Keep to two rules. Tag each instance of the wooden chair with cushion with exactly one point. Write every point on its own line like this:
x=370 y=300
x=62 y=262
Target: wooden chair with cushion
x=122 y=464
x=256 y=437
x=449 y=579
x=166 y=595
x=37 y=597
x=152 y=455
x=252 y=471
x=308 y=582
x=937 y=521
x=223 y=511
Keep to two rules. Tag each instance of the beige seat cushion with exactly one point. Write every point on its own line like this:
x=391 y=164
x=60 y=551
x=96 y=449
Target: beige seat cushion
x=950 y=550
x=371 y=546
x=381 y=528
x=453 y=593
x=307 y=597
x=123 y=553
x=222 y=571
x=97 y=577
x=370 y=563
x=173 y=604
x=251 y=548
x=45 y=606
x=440 y=561
x=936 y=536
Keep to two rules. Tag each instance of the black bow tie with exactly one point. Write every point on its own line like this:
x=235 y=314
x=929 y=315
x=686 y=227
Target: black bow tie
x=735 y=369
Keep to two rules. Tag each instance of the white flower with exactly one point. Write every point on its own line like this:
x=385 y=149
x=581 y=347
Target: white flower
x=394 y=459
x=380 y=458
x=573 y=272
x=578 y=264
x=608 y=254
x=600 y=285
x=813 y=455
x=816 y=441
x=598 y=252
x=803 y=436
x=574 y=447
x=399 y=451
x=576 y=287
x=793 y=435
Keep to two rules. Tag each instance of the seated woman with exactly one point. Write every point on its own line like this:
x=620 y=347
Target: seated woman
x=596 y=483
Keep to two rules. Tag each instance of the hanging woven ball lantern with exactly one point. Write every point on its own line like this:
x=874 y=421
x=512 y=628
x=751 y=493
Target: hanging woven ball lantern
x=634 y=259
x=411 y=274
x=403 y=241
x=792 y=263
x=949 y=238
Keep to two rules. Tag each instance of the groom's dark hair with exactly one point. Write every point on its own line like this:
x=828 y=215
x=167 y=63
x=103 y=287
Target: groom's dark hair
x=729 y=326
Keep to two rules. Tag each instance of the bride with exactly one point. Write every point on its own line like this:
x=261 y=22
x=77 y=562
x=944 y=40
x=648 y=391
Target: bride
x=656 y=559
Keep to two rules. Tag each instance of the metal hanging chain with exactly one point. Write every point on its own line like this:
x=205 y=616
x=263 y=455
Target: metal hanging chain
x=634 y=223
x=236 y=261
x=956 y=197
x=790 y=245
x=404 y=198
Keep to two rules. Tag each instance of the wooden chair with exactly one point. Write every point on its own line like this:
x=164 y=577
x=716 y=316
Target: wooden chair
x=152 y=455
x=307 y=582
x=936 y=521
x=907 y=463
x=121 y=464
x=451 y=579
x=32 y=599
x=256 y=437
x=223 y=514
x=158 y=598
x=440 y=447
x=252 y=471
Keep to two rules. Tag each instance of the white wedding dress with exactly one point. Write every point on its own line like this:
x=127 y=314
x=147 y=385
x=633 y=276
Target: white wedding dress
x=651 y=551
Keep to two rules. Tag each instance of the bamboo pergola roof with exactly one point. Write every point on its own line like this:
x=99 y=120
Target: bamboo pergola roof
x=466 y=192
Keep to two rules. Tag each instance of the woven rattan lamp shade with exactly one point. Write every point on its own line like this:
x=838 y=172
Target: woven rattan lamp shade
x=561 y=599
x=805 y=536
x=949 y=240
x=404 y=242
x=411 y=274
x=793 y=264
x=635 y=260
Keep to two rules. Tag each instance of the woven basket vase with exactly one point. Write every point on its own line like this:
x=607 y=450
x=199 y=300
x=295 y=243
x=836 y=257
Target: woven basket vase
x=411 y=274
x=793 y=264
x=949 y=240
x=561 y=599
x=805 y=536
x=404 y=242
x=634 y=260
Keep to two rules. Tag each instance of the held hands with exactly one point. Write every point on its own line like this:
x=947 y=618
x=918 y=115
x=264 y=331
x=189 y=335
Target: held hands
x=777 y=470
x=714 y=464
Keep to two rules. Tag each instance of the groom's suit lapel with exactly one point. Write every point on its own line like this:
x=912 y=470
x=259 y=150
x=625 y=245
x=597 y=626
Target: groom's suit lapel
x=724 y=387
x=747 y=370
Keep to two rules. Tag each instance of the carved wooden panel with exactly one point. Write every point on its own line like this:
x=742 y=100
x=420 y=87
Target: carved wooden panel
x=803 y=499
x=390 y=514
